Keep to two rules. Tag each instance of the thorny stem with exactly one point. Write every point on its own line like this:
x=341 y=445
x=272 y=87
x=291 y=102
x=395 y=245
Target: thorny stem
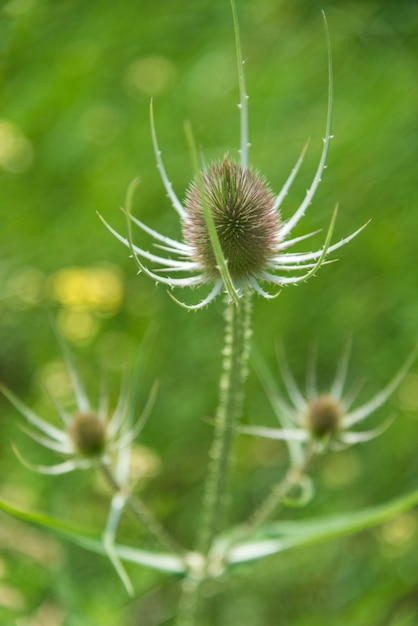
x=189 y=600
x=279 y=492
x=231 y=396
x=141 y=512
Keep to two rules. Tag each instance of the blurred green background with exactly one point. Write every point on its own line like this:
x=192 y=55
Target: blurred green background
x=76 y=79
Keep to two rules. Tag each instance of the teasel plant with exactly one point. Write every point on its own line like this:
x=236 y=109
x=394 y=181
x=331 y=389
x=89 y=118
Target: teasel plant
x=234 y=242
x=234 y=239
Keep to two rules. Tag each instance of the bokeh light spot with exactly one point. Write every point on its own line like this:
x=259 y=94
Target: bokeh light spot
x=341 y=470
x=11 y=597
x=408 y=393
x=55 y=379
x=145 y=463
x=149 y=75
x=77 y=326
x=16 y=152
x=100 y=124
x=205 y=71
x=18 y=7
x=400 y=530
x=26 y=287
x=95 y=288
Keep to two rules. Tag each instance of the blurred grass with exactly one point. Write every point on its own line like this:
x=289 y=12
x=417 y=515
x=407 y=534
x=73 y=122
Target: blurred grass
x=76 y=80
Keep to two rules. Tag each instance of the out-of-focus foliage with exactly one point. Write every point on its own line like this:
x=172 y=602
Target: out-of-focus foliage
x=76 y=79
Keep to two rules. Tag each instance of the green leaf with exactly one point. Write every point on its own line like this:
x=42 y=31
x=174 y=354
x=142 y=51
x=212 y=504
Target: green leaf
x=276 y=537
x=85 y=539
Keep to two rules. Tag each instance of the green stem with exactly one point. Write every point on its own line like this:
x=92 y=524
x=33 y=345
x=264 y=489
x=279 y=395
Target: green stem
x=141 y=512
x=235 y=353
x=231 y=397
x=294 y=478
x=189 y=600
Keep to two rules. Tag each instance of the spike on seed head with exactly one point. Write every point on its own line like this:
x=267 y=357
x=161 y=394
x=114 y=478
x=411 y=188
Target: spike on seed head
x=242 y=206
x=324 y=416
x=88 y=433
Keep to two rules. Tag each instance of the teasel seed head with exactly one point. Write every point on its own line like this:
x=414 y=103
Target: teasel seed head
x=242 y=206
x=324 y=416
x=88 y=433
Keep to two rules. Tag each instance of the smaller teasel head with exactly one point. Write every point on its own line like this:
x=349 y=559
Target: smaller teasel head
x=88 y=433
x=88 y=436
x=321 y=420
x=324 y=416
x=247 y=224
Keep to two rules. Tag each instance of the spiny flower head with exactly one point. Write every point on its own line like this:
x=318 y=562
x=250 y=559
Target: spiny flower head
x=324 y=416
x=242 y=205
x=323 y=419
x=88 y=436
x=234 y=239
x=88 y=433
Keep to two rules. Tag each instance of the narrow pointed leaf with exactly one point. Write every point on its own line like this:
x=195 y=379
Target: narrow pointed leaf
x=155 y=560
x=279 y=536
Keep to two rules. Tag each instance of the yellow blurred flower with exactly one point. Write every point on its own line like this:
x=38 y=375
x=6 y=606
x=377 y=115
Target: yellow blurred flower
x=98 y=289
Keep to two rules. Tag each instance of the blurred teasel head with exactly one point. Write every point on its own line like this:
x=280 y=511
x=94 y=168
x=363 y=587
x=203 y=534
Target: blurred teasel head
x=324 y=416
x=88 y=433
x=323 y=419
x=89 y=436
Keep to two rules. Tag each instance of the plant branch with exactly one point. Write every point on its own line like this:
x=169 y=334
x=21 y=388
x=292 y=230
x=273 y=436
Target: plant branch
x=231 y=396
x=141 y=512
x=295 y=478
